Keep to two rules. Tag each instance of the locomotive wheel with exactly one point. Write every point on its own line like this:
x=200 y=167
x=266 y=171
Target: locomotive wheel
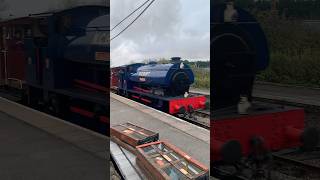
x=259 y=153
x=231 y=152
x=191 y=109
x=57 y=106
x=126 y=94
x=182 y=110
x=310 y=139
x=52 y=105
x=98 y=111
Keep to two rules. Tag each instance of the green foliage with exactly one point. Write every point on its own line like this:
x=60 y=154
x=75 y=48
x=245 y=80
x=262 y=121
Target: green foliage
x=202 y=78
x=290 y=69
x=306 y=9
x=299 y=9
x=198 y=64
x=294 y=51
x=245 y=3
x=201 y=70
x=163 y=61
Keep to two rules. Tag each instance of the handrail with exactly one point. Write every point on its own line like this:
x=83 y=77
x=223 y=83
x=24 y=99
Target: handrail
x=18 y=80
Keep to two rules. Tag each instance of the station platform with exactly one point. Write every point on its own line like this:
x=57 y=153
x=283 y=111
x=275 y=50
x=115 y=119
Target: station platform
x=190 y=138
x=37 y=146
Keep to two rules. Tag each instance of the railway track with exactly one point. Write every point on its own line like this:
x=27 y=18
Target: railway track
x=282 y=167
x=203 y=113
x=202 y=118
x=297 y=164
x=222 y=174
x=198 y=120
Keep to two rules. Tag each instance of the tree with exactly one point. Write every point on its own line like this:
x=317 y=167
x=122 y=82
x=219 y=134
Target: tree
x=163 y=61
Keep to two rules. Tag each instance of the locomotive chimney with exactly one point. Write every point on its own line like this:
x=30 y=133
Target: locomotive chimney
x=176 y=59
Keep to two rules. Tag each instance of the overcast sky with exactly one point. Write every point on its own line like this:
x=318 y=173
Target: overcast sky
x=168 y=28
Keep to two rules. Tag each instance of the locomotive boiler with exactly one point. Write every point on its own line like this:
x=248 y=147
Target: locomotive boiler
x=172 y=79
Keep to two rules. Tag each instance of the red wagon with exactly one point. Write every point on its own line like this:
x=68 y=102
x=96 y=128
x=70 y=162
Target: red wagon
x=12 y=55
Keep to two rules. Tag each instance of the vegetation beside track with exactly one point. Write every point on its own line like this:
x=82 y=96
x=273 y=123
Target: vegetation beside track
x=202 y=78
x=294 y=52
x=293 y=33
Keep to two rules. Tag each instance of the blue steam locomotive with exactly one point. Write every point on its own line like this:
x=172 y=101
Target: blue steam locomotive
x=172 y=79
x=163 y=86
x=65 y=57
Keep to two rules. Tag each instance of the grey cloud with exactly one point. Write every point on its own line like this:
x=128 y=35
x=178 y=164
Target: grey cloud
x=165 y=30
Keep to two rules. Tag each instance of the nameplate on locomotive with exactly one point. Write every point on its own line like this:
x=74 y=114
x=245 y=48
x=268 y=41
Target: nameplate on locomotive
x=143 y=73
x=102 y=56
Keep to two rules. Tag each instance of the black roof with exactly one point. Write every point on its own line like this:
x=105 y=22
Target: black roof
x=30 y=17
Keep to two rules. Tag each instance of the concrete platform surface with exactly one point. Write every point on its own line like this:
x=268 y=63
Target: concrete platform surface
x=35 y=145
x=188 y=137
x=30 y=153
